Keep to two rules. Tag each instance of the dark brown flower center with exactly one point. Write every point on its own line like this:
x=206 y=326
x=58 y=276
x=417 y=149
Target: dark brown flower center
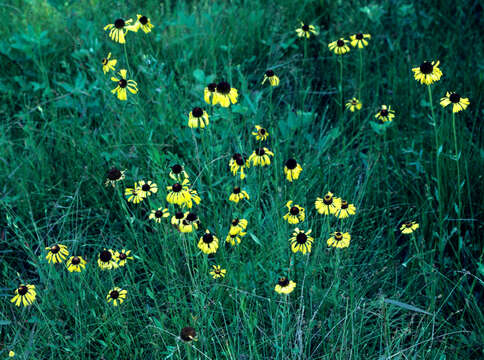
x=426 y=67
x=176 y=169
x=223 y=87
x=236 y=190
x=294 y=210
x=305 y=27
x=114 y=294
x=105 y=256
x=301 y=238
x=291 y=164
x=22 y=290
x=122 y=83
x=114 y=174
x=269 y=73
x=179 y=215
x=384 y=112
x=340 y=43
x=159 y=214
x=143 y=20
x=188 y=333
x=119 y=23
x=105 y=61
x=207 y=238
x=338 y=236
x=55 y=249
x=409 y=224
x=122 y=256
x=328 y=199
x=262 y=131
x=146 y=187
x=283 y=281
x=176 y=187
x=454 y=98
x=212 y=87
x=75 y=260
x=260 y=151
x=359 y=36
x=191 y=217
x=197 y=112
x=344 y=204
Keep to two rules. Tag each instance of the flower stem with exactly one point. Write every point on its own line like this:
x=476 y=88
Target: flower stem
x=457 y=157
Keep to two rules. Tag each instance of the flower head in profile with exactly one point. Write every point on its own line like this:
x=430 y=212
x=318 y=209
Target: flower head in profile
x=177 y=219
x=134 y=194
x=292 y=169
x=339 y=240
x=75 y=264
x=113 y=176
x=260 y=133
x=385 y=113
x=208 y=243
x=238 y=225
x=109 y=64
x=57 y=253
x=271 y=77
x=25 y=295
x=458 y=103
x=189 y=223
x=428 y=72
x=143 y=23
x=238 y=164
x=118 y=30
x=285 y=286
x=123 y=256
x=178 y=193
x=157 y=215
x=353 y=104
x=107 y=260
x=147 y=188
x=295 y=214
x=238 y=194
x=217 y=272
x=209 y=93
x=306 y=30
x=260 y=157
x=198 y=118
x=123 y=84
x=116 y=296
x=409 y=227
x=188 y=334
x=225 y=94
x=328 y=204
x=301 y=241
x=345 y=210
x=339 y=47
x=178 y=173
x=360 y=40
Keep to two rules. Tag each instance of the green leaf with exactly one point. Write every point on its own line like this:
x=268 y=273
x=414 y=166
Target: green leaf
x=199 y=75
x=406 y=306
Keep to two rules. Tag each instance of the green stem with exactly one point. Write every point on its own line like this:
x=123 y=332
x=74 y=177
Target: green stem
x=457 y=156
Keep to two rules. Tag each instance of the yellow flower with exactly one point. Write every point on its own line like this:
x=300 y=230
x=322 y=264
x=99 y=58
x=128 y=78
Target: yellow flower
x=385 y=114
x=118 y=30
x=260 y=157
x=147 y=188
x=113 y=176
x=292 y=170
x=339 y=240
x=107 y=260
x=57 y=253
x=327 y=205
x=123 y=256
x=238 y=225
x=116 y=296
x=142 y=23
x=25 y=295
x=360 y=40
x=194 y=198
x=409 y=227
x=178 y=173
x=295 y=214
x=273 y=79
x=225 y=94
x=198 y=118
x=177 y=219
x=217 y=272
x=238 y=194
x=156 y=215
x=189 y=223
x=345 y=210
x=301 y=241
x=353 y=104
x=11 y=353
x=124 y=84
x=179 y=193
x=109 y=64
x=134 y=194
x=234 y=239
x=238 y=163
x=458 y=103
x=209 y=93
x=306 y=31
x=428 y=72
x=260 y=133
x=75 y=264
x=285 y=286
x=339 y=47
x=208 y=243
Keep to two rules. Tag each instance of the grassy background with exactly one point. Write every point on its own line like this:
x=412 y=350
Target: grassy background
x=61 y=130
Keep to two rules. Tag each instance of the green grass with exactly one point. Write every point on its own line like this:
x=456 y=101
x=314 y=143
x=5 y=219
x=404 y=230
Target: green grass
x=387 y=296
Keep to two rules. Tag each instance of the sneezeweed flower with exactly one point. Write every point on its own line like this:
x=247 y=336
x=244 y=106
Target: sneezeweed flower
x=209 y=93
x=113 y=176
x=116 y=296
x=157 y=215
x=25 y=295
x=198 y=118
x=142 y=23
x=189 y=223
x=353 y=104
x=385 y=114
x=292 y=170
x=57 y=253
x=217 y=272
x=260 y=134
x=238 y=225
x=109 y=64
x=458 y=103
x=75 y=264
x=11 y=353
x=107 y=260
x=345 y=210
x=285 y=286
x=339 y=47
x=306 y=31
x=177 y=219
x=118 y=30
x=178 y=173
x=225 y=94
x=360 y=40
x=123 y=256
x=295 y=214
x=147 y=188
x=327 y=205
x=271 y=77
x=409 y=227
x=123 y=84
x=260 y=157
x=301 y=241
x=238 y=194
x=194 y=198
x=178 y=193
x=134 y=194
x=339 y=240
x=428 y=72
x=208 y=243
x=188 y=334
x=238 y=163
x=235 y=239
